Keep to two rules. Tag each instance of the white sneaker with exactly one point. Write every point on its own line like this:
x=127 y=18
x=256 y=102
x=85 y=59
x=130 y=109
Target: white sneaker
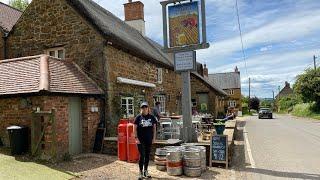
x=146 y=174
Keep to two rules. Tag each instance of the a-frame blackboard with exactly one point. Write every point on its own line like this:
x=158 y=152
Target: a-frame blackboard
x=219 y=149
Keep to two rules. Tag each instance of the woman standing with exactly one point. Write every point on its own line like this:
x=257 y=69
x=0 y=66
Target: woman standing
x=145 y=134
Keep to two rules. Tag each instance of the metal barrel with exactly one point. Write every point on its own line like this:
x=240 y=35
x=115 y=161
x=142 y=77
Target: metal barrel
x=192 y=162
x=161 y=152
x=191 y=152
x=192 y=172
x=174 y=162
x=161 y=168
x=203 y=156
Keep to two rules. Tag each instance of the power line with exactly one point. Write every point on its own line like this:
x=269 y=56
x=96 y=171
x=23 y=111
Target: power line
x=240 y=32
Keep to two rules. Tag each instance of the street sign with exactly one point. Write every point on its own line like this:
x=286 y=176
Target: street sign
x=184 y=25
x=185 y=61
x=219 y=149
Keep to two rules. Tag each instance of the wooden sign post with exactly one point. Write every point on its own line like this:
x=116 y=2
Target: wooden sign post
x=219 y=149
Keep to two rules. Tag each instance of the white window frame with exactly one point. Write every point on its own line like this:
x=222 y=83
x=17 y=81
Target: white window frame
x=159 y=75
x=232 y=103
x=231 y=92
x=127 y=106
x=162 y=100
x=56 y=52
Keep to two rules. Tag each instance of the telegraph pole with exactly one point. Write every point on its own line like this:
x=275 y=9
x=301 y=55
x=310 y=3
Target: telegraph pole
x=314 y=62
x=249 y=93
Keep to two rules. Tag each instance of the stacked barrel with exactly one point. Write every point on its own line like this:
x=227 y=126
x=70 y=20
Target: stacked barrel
x=187 y=159
x=192 y=162
x=160 y=159
x=174 y=161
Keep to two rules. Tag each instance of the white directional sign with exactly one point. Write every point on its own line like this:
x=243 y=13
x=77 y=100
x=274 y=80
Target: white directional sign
x=185 y=61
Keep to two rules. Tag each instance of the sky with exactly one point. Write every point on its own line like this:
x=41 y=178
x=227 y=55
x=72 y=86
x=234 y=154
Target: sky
x=280 y=38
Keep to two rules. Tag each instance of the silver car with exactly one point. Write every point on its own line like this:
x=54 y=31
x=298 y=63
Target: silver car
x=265 y=113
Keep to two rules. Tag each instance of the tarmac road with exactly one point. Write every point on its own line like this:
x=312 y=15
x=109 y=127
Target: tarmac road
x=285 y=147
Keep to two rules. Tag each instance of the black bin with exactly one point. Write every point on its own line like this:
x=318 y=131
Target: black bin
x=18 y=136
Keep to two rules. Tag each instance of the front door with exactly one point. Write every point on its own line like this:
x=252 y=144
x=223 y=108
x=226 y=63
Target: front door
x=75 y=126
x=203 y=102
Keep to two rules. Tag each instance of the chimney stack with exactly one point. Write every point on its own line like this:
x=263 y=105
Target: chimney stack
x=236 y=69
x=134 y=15
x=205 y=71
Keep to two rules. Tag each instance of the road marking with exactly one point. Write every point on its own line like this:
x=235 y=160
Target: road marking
x=253 y=164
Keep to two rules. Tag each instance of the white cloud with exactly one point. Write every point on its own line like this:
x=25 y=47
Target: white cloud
x=281 y=30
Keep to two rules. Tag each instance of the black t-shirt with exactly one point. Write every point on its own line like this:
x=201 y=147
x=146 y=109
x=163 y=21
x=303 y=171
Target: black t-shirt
x=145 y=127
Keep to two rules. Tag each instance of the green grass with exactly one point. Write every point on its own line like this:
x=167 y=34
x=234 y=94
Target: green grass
x=305 y=110
x=19 y=168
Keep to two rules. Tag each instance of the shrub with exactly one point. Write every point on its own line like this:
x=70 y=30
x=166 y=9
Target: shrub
x=303 y=110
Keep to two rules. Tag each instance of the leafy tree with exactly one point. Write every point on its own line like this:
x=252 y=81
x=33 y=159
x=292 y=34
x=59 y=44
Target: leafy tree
x=254 y=103
x=287 y=103
x=19 y=4
x=308 y=86
x=266 y=103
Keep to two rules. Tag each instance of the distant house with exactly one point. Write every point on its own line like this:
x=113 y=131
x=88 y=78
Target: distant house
x=285 y=91
x=8 y=17
x=230 y=82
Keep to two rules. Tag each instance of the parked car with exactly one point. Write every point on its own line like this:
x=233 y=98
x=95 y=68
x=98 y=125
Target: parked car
x=265 y=113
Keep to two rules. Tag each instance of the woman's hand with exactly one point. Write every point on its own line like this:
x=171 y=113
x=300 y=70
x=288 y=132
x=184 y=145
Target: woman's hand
x=137 y=141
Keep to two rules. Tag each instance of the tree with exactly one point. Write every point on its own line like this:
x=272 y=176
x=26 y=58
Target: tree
x=254 y=103
x=308 y=86
x=19 y=4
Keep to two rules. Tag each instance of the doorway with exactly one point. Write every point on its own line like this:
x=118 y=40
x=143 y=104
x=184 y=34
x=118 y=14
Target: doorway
x=75 y=126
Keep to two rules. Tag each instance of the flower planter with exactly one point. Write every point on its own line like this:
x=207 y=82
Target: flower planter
x=219 y=129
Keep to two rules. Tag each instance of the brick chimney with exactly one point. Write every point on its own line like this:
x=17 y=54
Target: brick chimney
x=134 y=15
x=205 y=71
x=236 y=69
x=287 y=84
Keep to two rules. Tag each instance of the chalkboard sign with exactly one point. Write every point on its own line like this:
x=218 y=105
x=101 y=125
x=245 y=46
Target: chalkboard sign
x=219 y=149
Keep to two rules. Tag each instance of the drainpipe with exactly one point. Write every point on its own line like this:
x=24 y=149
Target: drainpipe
x=5 y=37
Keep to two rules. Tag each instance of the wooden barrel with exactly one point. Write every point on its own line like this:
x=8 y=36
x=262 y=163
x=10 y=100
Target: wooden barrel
x=174 y=162
x=192 y=172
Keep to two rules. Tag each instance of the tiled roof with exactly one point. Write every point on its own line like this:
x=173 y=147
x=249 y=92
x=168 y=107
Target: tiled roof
x=119 y=32
x=210 y=84
x=230 y=80
x=8 y=17
x=37 y=73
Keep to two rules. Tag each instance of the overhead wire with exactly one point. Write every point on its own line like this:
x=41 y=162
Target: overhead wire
x=240 y=32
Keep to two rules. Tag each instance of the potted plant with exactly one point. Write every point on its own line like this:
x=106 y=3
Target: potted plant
x=219 y=126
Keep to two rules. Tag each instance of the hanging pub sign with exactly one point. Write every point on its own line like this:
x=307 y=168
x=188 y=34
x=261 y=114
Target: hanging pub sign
x=184 y=25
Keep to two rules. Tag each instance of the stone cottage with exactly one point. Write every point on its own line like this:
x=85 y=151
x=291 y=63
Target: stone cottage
x=230 y=82
x=126 y=65
x=285 y=91
x=115 y=54
x=55 y=99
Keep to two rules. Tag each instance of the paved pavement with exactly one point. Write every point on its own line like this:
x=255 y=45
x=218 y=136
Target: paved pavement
x=285 y=147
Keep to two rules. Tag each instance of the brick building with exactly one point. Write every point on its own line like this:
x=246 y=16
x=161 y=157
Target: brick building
x=34 y=88
x=115 y=54
x=230 y=82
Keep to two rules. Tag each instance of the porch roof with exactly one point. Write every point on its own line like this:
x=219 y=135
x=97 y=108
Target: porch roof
x=44 y=73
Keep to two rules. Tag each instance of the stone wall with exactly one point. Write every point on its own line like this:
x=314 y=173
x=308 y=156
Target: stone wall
x=19 y=111
x=50 y=24
x=236 y=97
x=122 y=64
x=198 y=87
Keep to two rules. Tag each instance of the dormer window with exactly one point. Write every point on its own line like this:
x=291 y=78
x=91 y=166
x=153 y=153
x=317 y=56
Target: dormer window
x=56 y=52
